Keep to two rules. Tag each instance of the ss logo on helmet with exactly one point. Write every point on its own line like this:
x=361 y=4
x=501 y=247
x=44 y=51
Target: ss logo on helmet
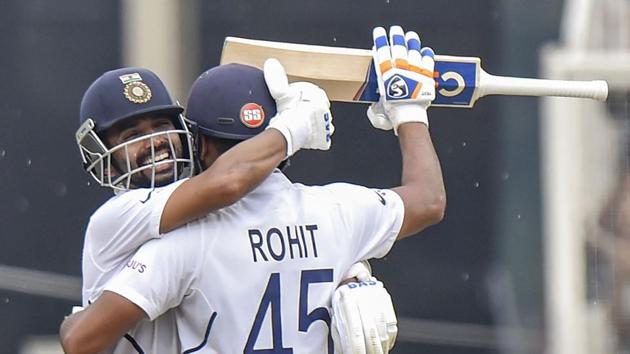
x=252 y=115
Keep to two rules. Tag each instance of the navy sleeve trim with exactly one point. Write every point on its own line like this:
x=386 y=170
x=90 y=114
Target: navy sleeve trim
x=135 y=344
x=205 y=339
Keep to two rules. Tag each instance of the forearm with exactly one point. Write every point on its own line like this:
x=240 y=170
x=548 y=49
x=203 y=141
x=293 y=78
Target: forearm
x=77 y=337
x=234 y=174
x=422 y=186
x=251 y=161
x=100 y=326
x=241 y=169
x=65 y=331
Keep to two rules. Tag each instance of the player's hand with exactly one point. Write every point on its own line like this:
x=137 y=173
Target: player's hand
x=303 y=116
x=405 y=79
x=363 y=318
x=360 y=271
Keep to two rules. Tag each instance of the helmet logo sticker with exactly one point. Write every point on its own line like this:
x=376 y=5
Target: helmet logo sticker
x=252 y=115
x=130 y=78
x=137 y=92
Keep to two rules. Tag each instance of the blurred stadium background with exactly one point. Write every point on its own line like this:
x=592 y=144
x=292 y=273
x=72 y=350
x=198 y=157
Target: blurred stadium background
x=532 y=256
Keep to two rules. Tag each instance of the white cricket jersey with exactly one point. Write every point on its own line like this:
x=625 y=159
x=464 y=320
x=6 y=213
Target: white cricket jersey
x=260 y=274
x=115 y=231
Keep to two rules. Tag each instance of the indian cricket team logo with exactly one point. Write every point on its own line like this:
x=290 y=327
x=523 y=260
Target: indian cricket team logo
x=252 y=115
x=397 y=87
x=137 y=92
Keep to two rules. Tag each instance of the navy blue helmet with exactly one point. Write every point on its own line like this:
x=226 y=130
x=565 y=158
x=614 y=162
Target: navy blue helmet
x=126 y=93
x=122 y=95
x=230 y=101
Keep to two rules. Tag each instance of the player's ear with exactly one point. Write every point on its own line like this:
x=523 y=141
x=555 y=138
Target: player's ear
x=208 y=151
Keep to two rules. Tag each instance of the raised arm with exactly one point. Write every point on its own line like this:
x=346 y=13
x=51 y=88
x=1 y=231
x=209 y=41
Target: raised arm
x=405 y=76
x=422 y=189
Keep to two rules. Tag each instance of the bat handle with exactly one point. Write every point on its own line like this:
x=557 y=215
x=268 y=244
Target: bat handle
x=503 y=85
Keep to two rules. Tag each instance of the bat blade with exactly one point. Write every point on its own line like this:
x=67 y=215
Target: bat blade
x=347 y=74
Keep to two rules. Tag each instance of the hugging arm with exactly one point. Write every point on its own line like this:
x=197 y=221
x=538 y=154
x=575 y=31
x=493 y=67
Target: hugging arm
x=303 y=121
x=100 y=325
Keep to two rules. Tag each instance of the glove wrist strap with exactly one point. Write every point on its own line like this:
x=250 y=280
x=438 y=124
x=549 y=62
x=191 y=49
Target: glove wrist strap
x=408 y=113
x=287 y=136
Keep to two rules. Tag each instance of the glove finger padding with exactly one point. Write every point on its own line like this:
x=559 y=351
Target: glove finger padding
x=347 y=328
x=390 y=320
x=398 y=47
x=381 y=56
x=278 y=85
x=384 y=319
x=374 y=328
x=371 y=321
x=275 y=78
x=428 y=60
x=405 y=78
x=413 y=55
x=303 y=116
x=363 y=315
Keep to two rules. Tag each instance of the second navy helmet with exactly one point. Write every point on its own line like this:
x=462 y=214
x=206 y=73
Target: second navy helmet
x=230 y=101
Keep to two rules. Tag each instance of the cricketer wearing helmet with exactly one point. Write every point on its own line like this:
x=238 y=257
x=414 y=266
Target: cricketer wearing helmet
x=134 y=139
x=259 y=275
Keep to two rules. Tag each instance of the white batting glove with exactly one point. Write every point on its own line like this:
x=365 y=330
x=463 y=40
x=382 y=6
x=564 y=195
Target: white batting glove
x=361 y=271
x=363 y=318
x=303 y=117
x=405 y=79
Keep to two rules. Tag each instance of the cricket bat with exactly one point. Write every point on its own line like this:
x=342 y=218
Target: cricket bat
x=348 y=75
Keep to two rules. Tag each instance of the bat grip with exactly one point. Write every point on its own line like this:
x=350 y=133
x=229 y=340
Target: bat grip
x=503 y=85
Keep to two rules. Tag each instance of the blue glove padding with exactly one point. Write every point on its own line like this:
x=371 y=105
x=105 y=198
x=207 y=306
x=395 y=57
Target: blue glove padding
x=405 y=79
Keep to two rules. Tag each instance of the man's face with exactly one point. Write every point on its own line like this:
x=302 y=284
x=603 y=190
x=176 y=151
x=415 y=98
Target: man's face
x=140 y=154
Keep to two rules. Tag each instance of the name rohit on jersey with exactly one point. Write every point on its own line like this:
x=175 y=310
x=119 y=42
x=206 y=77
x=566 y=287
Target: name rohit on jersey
x=277 y=244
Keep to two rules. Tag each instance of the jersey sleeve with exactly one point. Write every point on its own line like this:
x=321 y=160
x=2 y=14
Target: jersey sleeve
x=158 y=276
x=124 y=223
x=373 y=217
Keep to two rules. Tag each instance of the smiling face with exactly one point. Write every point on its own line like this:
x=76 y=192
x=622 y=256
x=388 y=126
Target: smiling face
x=144 y=147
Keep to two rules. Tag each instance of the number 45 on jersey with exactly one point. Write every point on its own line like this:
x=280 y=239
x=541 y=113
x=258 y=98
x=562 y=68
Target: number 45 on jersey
x=270 y=305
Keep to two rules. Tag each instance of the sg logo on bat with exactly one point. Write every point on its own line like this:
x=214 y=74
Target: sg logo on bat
x=456 y=83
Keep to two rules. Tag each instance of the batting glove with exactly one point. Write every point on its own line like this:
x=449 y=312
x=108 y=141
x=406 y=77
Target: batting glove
x=360 y=271
x=363 y=318
x=303 y=116
x=405 y=79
